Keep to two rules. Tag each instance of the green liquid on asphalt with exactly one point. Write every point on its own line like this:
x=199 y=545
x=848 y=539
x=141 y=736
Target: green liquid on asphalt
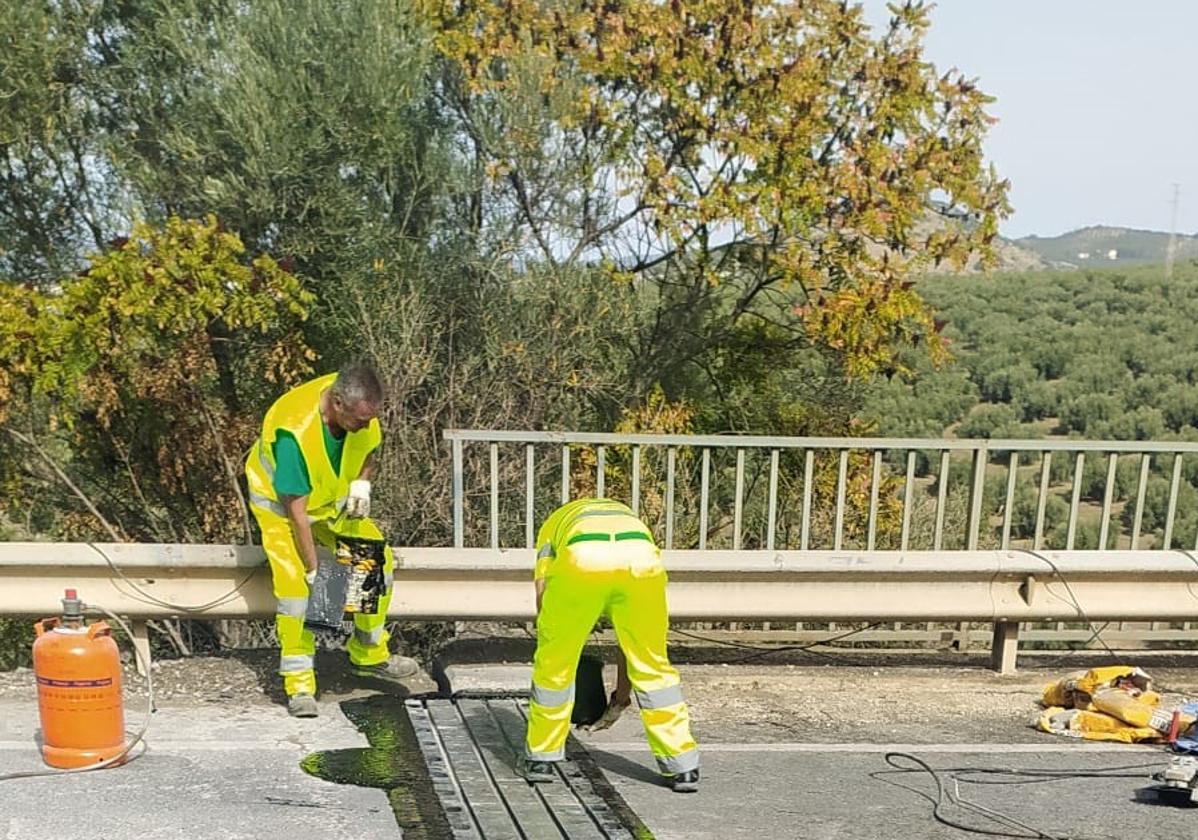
x=395 y=764
x=392 y=763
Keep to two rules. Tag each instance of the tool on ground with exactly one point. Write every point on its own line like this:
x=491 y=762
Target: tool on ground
x=1179 y=781
x=590 y=698
x=78 y=671
x=349 y=586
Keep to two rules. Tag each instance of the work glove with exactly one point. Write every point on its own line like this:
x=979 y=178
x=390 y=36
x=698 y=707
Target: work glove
x=357 y=504
x=610 y=715
x=310 y=576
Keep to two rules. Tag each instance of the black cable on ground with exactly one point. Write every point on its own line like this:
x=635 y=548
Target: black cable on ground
x=765 y=650
x=958 y=776
x=961 y=775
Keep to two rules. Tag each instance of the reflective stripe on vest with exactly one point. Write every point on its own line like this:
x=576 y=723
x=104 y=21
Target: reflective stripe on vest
x=596 y=537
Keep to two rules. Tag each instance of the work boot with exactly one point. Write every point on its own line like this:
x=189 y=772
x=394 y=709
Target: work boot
x=539 y=771
x=302 y=706
x=687 y=782
x=395 y=670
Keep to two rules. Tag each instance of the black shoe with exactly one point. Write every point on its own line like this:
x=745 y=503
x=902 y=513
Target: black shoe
x=539 y=771
x=687 y=782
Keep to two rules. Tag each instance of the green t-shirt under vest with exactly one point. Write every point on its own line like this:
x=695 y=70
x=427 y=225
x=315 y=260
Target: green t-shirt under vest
x=291 y=471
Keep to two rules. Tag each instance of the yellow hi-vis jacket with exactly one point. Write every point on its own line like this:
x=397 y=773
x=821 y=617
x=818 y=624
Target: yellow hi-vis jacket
x=298 y=412
x=584 y=533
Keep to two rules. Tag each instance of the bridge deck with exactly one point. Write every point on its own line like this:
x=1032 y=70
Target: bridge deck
x=472 y=745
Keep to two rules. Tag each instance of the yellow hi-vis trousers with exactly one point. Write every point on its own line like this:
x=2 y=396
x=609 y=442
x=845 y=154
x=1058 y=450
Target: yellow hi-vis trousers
x=367 y=646
x=573 y=601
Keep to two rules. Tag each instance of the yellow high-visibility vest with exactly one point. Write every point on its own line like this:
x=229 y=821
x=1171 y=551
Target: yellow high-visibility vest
x=298 y=412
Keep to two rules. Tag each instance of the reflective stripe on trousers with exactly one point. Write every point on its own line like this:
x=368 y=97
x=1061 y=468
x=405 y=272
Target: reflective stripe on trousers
x=636 y=605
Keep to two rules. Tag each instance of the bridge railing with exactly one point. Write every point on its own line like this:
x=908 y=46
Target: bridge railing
x=805 y=493
x=755 y=529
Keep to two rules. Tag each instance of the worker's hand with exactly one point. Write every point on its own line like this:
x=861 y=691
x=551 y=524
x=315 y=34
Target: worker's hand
x=310 y=575
x=615 y=708
x=357 y=504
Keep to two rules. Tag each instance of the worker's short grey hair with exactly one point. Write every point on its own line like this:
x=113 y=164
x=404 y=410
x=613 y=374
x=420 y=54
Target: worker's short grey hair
x=358 y=382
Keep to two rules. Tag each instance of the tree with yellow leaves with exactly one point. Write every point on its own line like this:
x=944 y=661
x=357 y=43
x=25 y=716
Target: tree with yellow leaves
x=145 y=371
x=749 y=160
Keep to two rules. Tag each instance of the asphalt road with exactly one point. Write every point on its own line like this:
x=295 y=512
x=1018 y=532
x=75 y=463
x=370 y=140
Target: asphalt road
x=230 y=770
x=229 y=774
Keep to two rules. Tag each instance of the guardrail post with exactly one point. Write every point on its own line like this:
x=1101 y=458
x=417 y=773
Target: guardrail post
x=141 y=644
x=1004 y=648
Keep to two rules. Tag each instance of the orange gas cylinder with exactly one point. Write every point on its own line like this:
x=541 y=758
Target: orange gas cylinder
x=78 y=670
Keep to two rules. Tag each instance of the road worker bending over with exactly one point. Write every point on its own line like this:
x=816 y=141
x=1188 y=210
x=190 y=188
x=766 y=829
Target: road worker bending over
x=595 y=557
x=309 y=481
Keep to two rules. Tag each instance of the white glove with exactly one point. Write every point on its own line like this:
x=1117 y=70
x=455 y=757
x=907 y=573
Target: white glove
x=310 y=577
x=610 y=715
x=357 y=504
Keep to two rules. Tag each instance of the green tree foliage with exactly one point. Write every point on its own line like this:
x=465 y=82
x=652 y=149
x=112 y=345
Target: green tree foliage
x=528 y=217
x=1023 y=513
x=56 y=194
x=1156 y=511
x=987 y=421
x=1081 y=353
x=764 y=157
x=135 y=372
x=1091 y=350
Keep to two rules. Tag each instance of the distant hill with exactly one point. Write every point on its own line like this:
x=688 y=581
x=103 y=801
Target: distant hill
x=1103 y=245
x=1009 y=255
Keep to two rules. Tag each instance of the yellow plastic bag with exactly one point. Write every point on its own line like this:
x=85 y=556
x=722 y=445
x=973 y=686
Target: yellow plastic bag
x=1092 y=726
x=1076 y=690
x=1137 y=711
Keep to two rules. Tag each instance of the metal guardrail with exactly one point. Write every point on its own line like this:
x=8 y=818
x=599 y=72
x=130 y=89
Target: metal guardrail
x=631 y=449
x=1003 y=587
x=815 y=529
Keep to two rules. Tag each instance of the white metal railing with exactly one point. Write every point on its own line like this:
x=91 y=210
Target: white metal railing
x=979 y=453
x=768 y=528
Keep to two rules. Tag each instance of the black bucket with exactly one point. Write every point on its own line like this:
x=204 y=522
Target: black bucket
x=590 y=697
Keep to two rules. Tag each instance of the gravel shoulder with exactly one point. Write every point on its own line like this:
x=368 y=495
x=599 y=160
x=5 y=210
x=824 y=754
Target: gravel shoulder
x=790 y=696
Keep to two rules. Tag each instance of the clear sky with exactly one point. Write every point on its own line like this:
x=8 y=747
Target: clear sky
x=1097 y=104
